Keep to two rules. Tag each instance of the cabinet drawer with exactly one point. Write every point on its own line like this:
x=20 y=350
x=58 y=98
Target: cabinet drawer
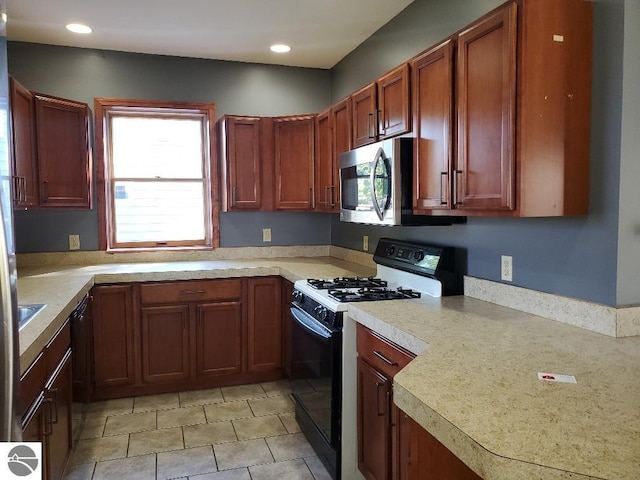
x=380 y=353
x=197 y=291
x=57 y=347
x=32 y=383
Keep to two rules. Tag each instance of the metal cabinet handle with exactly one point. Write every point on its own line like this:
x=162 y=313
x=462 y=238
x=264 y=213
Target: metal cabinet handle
x=311 y=197
x=370 y=126
x=16 y=188
x=333 y=189
x=378 y=126
x=233 y=196
x=192 y=292
x=455 y=186
x=48 y=424
x=54 y=407
x=24 y=189
x=385 y=359
x=45 y=191
x=442 y=174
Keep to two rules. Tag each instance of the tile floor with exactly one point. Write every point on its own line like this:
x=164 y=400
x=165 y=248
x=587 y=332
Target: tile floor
x=247 y=432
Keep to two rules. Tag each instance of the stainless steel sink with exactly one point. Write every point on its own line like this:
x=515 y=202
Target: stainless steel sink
x=26 y=313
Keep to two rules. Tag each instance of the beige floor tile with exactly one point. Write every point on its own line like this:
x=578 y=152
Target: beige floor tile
x=201 y=397
x=133 y=468
x=285 y=387
x=98 y=449
x=156 y=402
x=237 y=474
x=243 y=392
x=227 y=411
x=287 y=447
x=271 y=405
x=104 y=408
x=289 y=470
x=289 y=421
x=259 y=427
x=208 y=434
x=192 y=461
x=317 y=468
x=83 y=471
x=155 y=441
x=92 y=427
x=134 y=422
x=242 y=454
x=178 y=417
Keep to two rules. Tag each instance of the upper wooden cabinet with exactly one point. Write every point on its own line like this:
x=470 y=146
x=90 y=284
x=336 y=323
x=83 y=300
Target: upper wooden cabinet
x=521 y=100
x=293 y=156
x=64 y=155
x=246 y=163
x=381 y=109
x=24 y=161
x=325 y=165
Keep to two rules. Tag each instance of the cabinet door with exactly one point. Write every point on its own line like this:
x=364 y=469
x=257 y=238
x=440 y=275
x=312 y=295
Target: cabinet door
x=219 y=340
x=485 y=171
x=432 y=104
x=25 y=168
x=363 y=111
x=374 y=423
x=264 y=324
x=60 y=443
x=325 y=185
x=165 y=343
x=64 y=160
x=113 y=335
x=242 y=170
x=429 y=459
x=37 y=427
x=294 y=152
x=393 y=102
x=341 y=141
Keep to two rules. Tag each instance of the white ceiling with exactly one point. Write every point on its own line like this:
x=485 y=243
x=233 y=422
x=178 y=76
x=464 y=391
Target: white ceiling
x=320 y=32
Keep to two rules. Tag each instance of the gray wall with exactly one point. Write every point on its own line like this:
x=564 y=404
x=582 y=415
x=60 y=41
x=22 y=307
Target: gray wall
x=576 y=257
x=241 y=88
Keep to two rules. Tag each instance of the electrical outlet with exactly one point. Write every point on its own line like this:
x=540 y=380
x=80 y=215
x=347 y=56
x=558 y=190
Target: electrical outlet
x=506 y=268
x=266 y=234
x=74 y=242
x=365 y=243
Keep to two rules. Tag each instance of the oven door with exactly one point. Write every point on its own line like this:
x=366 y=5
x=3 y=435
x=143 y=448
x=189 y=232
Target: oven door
x=316 y=357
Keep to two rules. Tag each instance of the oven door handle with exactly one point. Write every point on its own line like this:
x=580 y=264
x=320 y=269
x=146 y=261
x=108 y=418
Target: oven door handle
x=307 y=322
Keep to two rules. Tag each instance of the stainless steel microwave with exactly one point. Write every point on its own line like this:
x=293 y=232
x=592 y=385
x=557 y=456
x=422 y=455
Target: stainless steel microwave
x=376 y=186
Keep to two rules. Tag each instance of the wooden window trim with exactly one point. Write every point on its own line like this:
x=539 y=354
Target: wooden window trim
x=104 y=105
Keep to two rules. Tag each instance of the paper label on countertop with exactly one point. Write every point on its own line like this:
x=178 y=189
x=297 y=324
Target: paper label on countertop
x=556 y=377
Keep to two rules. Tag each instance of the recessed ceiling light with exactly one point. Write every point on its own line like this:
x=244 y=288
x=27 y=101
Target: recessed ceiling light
x=280 y=48
x=78 y=28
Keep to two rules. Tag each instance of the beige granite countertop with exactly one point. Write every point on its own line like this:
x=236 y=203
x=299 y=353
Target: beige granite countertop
x=62 y=287
x=474 y=386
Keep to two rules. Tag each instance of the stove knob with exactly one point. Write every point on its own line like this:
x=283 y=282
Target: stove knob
x=297 y=296
x=321 y=312
x=418 y=255
x=390 y=250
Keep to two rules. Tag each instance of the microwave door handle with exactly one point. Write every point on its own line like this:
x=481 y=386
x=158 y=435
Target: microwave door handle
x=374 y=199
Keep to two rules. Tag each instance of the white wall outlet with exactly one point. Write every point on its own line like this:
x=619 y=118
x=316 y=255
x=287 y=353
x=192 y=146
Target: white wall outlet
x=74 y=242
x=506 y=268
x=266 y=234
x=365 y=243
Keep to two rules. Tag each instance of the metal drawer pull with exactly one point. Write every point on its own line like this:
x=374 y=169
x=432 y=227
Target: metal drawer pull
x=47 y=407
x=385 y=359
x=192 y=292
x=54 y=406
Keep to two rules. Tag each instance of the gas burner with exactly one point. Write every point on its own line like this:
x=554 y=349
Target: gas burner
x=366 y=294
x=346 y=282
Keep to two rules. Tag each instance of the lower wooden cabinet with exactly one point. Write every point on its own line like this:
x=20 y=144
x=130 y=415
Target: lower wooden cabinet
x=165 y=343
x=264 y=324
x=425 y=458
x=167 y=336
x=113 y=336
x=287 y=298
x=219 y=345
x=379 y=446
x=46 y=403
